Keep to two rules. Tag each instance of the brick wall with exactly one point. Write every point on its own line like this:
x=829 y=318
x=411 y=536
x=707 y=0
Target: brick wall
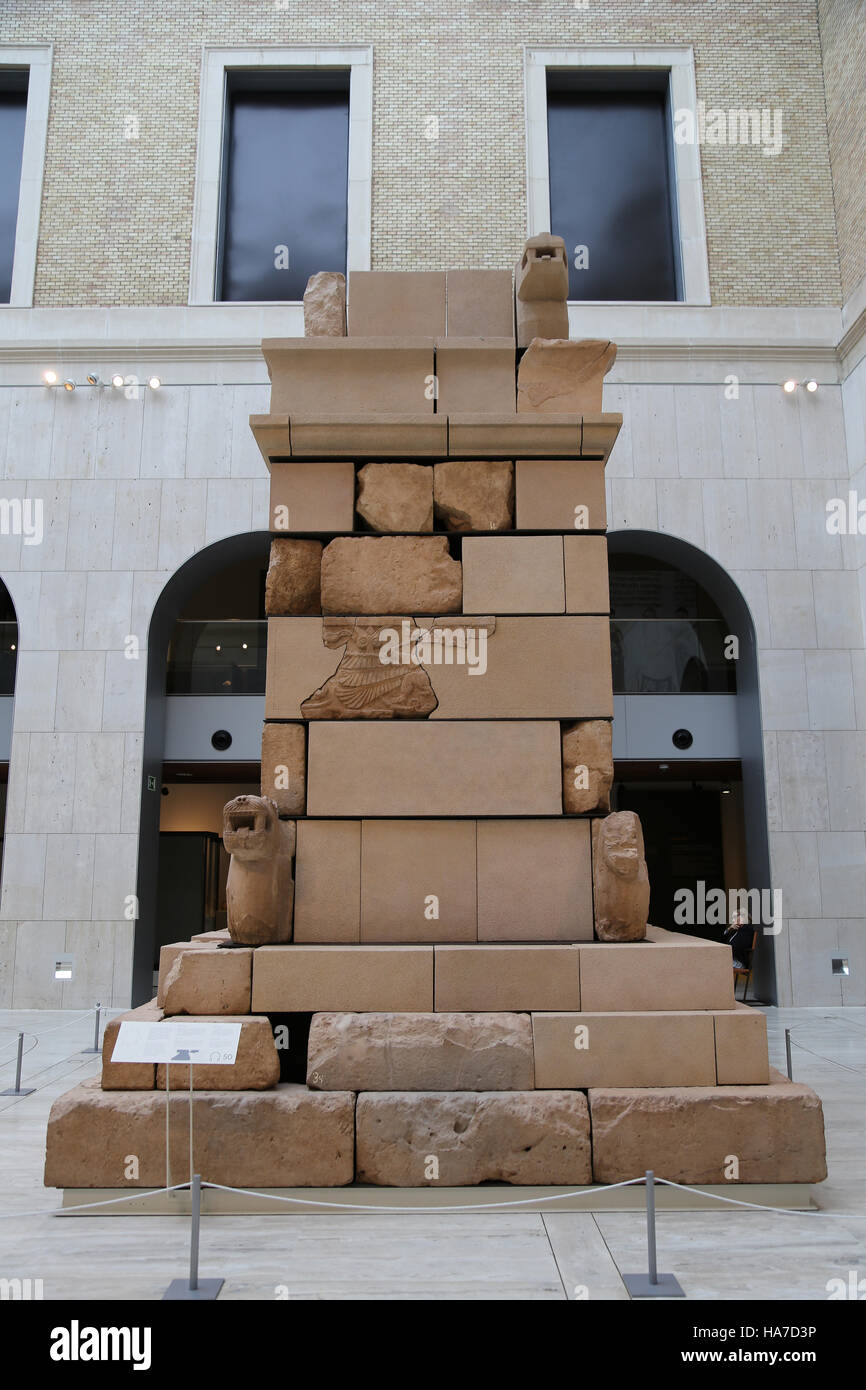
x=117 y=212
x=843 y=39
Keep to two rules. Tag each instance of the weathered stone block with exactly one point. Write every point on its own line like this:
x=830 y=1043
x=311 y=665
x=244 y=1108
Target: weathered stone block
x=259 y=888
x=476 y=495
x=634 y=1049
x=556 y=375
x=168 y=955
x=527 y=1137
x=420 y=1052
x=390 y=574
x=534 y=881
x=209 y=981
x=619 y=875
x=434 y=768
x=587 y=766
x=350 y=979
x=293 y=583
x=287 y=1137
x=689 y=1135
x=127 y=1076
x=513 y=574
x=325 y=305
x=256 y=1066
x=328 y=881
x=517 y=978
x=284 y=767
x=396 y=496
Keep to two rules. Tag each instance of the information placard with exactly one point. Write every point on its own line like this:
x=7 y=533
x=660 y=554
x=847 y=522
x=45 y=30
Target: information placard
x=199 y=1044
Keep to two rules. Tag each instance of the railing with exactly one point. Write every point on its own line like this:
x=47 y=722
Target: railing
x=672 y=656
x=650 y=656
x=8 y=656
x=217 y=657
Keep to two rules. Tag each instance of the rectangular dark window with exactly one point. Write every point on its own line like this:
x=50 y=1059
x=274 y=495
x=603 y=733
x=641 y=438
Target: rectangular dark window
x=285 y=183
x=13 y=114
x=611 y=184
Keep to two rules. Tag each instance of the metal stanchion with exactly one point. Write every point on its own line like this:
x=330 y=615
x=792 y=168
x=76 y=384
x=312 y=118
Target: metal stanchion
x=16 y=1090
x=196 y=1290
x=95 y=1047
x=653 y=1284
x=788 y=1054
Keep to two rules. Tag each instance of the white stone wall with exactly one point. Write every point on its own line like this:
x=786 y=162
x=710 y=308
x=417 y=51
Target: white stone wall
x=132 y=488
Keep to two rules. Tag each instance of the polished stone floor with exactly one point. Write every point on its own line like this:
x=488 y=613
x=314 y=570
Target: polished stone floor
x=724 y=1254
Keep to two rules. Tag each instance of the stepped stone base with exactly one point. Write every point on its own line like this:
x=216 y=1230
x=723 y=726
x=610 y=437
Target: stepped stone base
x=693 y=1135
x=420 y=1052
x=411 y=1139
x=287 y=1137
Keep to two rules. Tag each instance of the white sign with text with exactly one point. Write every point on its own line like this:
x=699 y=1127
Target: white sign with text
x=199 y=1044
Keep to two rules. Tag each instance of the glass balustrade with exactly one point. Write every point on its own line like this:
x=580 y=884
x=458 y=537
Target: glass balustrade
x=650 y=656
x=218 y=657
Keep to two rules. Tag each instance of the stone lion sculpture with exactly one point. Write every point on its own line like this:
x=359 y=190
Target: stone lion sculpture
x=620 y=881
x=260 y=889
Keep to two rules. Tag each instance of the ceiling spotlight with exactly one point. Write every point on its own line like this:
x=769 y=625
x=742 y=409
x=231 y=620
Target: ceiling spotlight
x=49 y=377
x=154 y=383
x=811 y=386
x=69 y=385
x=117 y=380
x=789 y=386
x=92 y=379
x=726 y=791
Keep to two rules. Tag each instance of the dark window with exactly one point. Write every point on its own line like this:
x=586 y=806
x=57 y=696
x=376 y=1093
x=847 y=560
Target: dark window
x=611 y=184
x=285 y=183
x=13 y=113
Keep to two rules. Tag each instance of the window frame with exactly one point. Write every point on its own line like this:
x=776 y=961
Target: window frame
x=210 y=154
x=36 y=60
x=687 y=210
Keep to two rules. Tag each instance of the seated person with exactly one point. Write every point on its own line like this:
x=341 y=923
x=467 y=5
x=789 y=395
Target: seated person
x=739 y=936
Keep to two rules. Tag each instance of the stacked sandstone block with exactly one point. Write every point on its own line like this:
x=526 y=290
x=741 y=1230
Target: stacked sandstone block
x=431 y=881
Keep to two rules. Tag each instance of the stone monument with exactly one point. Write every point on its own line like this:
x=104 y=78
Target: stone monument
x=465 y=931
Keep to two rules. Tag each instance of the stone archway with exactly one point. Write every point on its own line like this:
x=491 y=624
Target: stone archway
x=182 y=584
x=719 y=585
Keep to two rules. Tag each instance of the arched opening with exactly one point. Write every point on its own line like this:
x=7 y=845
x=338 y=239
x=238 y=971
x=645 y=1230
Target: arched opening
x=8 y=666
x=202 y=739
x=688 y=747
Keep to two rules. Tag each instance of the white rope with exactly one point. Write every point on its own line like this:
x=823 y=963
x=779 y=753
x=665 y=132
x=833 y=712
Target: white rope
x=90 y=1206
